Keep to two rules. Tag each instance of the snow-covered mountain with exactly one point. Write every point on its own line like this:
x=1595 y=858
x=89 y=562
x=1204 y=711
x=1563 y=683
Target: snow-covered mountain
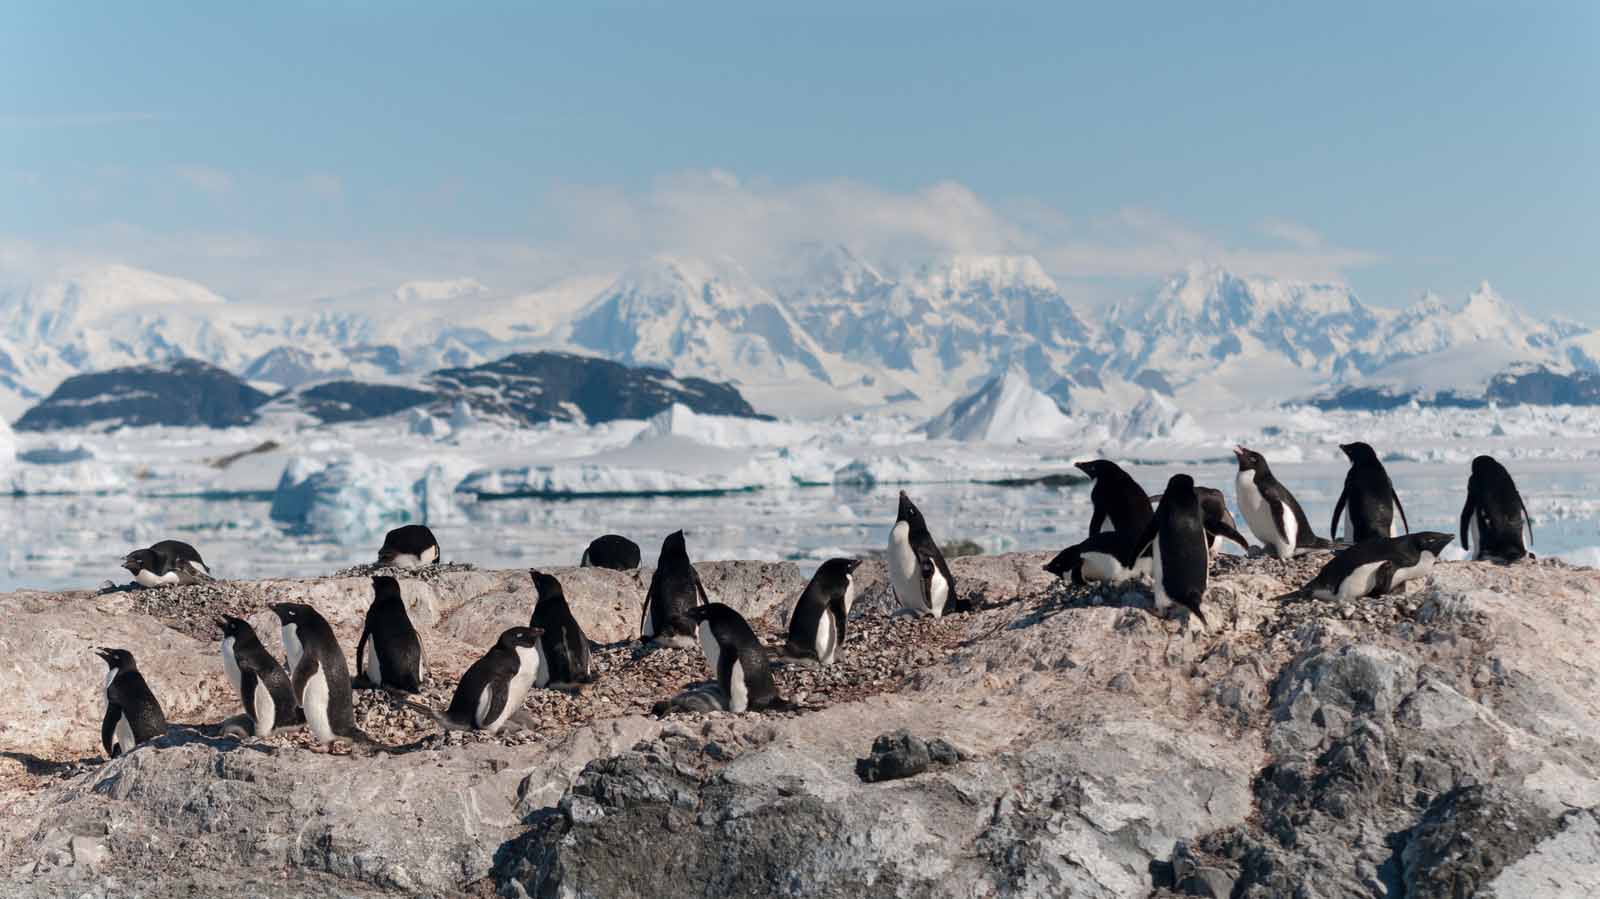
x=832 y=332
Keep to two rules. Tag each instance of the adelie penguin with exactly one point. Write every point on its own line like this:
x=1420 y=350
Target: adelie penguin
x=917 y=571
x=1116 y=497
x=262 y=684
x=1104 y=557
x=1368 y=502
x=389 y=653
x=318 y=673
x=492 y=691
x=737 y=659
x=1177 y=539
x=612 y=551
x=1494 y=519
x=817 y=625
x=410 y=546
x=133 y=716
x=675 y=588
x=1378 y=566
x=1271 y=511
x=166 y=563
x=564 y=658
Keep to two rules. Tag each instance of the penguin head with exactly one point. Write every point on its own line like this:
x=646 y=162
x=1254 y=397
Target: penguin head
x=545 y=586
x=1432 y=541
x=909 y=512
x=1487 y=466
x=234 y=627
x=142 y=560
x=120 y=659
x=708 y=612
x=1064 y=562
x=838 y=569
x=1181 y=485
x=674 y=547
x=1098 y=468
x=385 y=587
x=1249 y=459
x=1359 y=453
x=519 y=638
x=292 y=612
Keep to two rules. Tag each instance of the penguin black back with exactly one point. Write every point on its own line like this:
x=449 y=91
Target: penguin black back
x=1369 y=501
x=493 y=688
x=918 y=573
x=1117 y=497
x=1219 y=521
x=612 y=551
x=165 y=563
x=389 y=653
x=1494 y=518
x=566 y=649
x=740 y=662
x=1271 y=511
x=817 y=624
x=409 y=546
x=1106 y=556
x=254 y=669
x=1182 y=555
x=133 y=716
x=675 y=588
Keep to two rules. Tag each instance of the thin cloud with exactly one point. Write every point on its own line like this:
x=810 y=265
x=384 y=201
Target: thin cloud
x=206 y=179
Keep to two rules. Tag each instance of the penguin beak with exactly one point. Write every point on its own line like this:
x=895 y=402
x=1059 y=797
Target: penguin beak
x=1081 y=466
x=854 y=564
x=131 y=565
x=105 y=655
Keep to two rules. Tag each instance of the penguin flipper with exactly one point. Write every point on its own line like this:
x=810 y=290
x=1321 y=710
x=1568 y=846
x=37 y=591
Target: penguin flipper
x=1338 y=508
x=649 y=597
x=1400 y=508
x=492 y=702
x=1227 y=531
x=701 y=597
x=1383 y=580
x=1144 y=540
x=1096 y=521
x=361 y=655
x=1527 y=520
x=1466 y=519
x=108 y=729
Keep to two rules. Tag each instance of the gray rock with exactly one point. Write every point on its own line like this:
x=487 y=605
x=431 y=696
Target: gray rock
x=894 y=756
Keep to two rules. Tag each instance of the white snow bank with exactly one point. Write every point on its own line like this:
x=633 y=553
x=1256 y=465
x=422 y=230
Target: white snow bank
x=1008 y=409
x=679 y=420
x=347 y=497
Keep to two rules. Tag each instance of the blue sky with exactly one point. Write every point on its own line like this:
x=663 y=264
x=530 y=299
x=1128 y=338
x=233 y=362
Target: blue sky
x=282 y=151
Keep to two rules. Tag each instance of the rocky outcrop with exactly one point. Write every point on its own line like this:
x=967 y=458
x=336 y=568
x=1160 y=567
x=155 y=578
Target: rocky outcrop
x=1056 y=741
x=186 y=392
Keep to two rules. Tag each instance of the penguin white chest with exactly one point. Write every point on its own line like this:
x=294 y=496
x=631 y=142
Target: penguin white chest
x=1424 y=565
x=849 y=592
x=516 y=689
x=1359 y=583
x=1162 y=600
x=148 y=578
x=905 y=570
x=1259 y=516
x=314 y=700
x=1103 y=567
x=230 y=663
x=266 y=710
x=374 y=667
x=111 y=676
x=122 y=739
x=827 y=638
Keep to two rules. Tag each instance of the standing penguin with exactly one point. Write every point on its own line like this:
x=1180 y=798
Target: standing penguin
x=675 y=588
x=492 y=691
x=133 y=715
x=1117 y=497
x=737 y=658
x=166 y=563
x=1369 y=501
x=1106 y=556
x=389 y=653
x=1271 y=511
x=564 y=658
x=1177 y=537
x=817 y=625
x=612 y=551
x=1494 y=518
x=917 y=571
x=409 y=546
x=318 y=672
x=262 y=684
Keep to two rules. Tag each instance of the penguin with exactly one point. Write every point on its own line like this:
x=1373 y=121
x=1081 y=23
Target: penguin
x=917 y=571
x=493 y=689
x=817 y=624
x=737 y=658
x=1177 y=538
x=262 y=684
x=611 y=551
x=1377 y=566
x=166 y=563
x=1219 y=521
x=133 y=716
x=564 y=655
x=318 y=672
x=1117 y=498
x=675 y=588
x=1368 y=501
x=411 y=546
x=1271 y=511
x=389 y=653
x=1105 y=556
x=1494 y=519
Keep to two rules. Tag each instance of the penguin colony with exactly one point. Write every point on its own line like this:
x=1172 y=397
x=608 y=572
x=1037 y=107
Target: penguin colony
x=1170 y=539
